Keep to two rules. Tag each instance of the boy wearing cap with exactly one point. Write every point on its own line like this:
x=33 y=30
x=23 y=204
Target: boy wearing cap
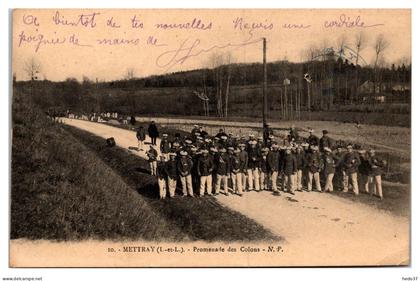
x=263 y=168
x=172 y=173
x=300 y=165
x=376 y=166
x=204 y=171
x=194 y=155
x=184 y=167
x=273 y=161
x=329 y=163
x=339 y=155
x=314 y=163
x=252 y=169
x=161 y=177
x=222 y=171
x=351 y=162
x=289 y=169
x=243 y=160
x=235 y=172
x=152 y=155
x=176 y=146
x=364 y=170
x=165 y=146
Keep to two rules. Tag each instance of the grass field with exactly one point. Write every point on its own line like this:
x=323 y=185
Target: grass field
x=245 y=102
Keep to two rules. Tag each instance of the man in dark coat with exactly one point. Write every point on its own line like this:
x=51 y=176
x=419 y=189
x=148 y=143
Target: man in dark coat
x=293 y=134
x=221 y=133
x=141 y=136
x=267 y=131
x=153 y=132
x=312 y=139
x=364 y=169
x=325 y=141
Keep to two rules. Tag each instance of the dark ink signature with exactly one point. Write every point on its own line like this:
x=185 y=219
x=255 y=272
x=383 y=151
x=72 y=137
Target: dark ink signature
x=191 y=48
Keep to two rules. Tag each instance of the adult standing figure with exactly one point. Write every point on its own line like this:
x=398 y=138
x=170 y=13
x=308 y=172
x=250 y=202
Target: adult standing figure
x=141 y=136
x=153 y=132
x=267 y=131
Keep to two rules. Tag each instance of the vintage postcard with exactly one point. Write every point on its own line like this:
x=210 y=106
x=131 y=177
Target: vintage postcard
x=210 y=138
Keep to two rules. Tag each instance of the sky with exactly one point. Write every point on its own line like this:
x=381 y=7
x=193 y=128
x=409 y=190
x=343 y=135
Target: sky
x=104 y=44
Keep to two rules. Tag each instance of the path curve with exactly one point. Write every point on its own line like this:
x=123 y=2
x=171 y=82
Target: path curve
x=319 y=229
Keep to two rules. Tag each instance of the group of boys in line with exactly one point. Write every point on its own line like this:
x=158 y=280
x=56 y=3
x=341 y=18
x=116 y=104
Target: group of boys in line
x=203 y=164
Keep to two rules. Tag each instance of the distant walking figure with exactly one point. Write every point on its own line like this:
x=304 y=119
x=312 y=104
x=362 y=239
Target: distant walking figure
x=153 y=132
x=141 y=136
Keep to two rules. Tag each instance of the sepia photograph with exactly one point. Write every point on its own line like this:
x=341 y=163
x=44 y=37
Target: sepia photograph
x=210 y=138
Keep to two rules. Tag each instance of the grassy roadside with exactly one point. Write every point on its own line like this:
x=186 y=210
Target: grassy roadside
x=199 y=218
x=62 y=191
x=65 y=189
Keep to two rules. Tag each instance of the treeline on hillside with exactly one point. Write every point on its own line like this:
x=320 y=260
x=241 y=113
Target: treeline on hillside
x=332 y=83
x=251 y=74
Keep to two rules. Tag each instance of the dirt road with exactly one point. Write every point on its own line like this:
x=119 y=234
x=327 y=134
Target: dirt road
x=320 y=229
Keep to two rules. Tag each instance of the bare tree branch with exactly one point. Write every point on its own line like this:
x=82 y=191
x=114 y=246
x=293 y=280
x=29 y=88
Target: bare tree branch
x=32 y=68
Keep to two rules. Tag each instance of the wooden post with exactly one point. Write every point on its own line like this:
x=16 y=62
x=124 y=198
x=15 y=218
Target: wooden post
x=264 y=83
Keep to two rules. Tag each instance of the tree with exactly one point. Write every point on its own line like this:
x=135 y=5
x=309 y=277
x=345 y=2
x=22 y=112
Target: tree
x=359 y=42
x=32 y=68
x=130 y=74
x=221 y=65
x=380 y=45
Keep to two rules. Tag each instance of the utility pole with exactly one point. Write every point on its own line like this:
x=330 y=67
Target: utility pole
x=264 y=83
